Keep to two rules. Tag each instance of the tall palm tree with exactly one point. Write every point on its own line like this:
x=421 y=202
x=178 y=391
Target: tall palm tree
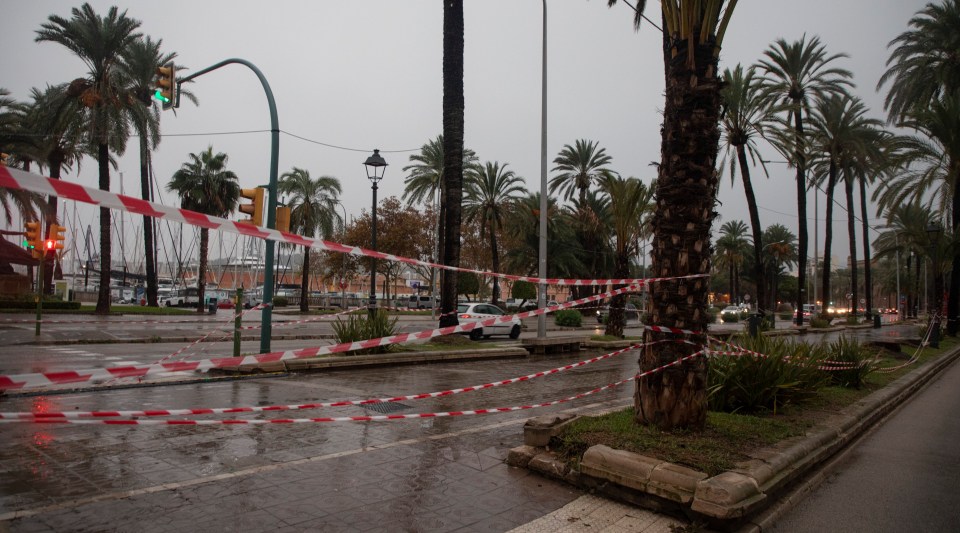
x=630 y=209
x=139 y=69
x=685 y=195
x=522 y=229
x=579 y=167
x=205 y=185
x=491 y=191
x=795 y=75
x=424 y=181
x=731 y=248
x=314 y=211
x=99 y=42
x=780 y=251
x=452 y=155
x=924 y=75
x=744 y=117
x=845 y=137
x=61 y=143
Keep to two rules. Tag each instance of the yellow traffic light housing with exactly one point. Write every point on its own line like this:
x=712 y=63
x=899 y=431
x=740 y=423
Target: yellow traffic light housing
x=167 y=85
x=255 y=208
x=283 y=218
x=58 y=234
x=33 y=238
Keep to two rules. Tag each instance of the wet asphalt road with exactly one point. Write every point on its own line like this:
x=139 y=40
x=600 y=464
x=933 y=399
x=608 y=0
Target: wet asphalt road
x=431 y=474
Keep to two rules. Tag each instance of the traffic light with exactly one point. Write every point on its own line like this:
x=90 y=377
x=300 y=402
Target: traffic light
x=33 y=239
x=57 y=233
x=283 y=218
x=255 y=208
x=167 y=85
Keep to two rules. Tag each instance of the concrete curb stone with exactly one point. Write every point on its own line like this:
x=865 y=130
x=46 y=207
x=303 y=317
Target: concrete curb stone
x=741 y=497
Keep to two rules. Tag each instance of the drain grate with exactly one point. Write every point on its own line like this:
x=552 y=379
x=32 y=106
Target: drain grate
x=385 y=408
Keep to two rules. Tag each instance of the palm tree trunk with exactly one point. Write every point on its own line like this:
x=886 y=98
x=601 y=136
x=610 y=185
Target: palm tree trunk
x=685 y=200
x=452 y=154
x=305 y=281
x=55 y=162
x=867 y=275
x=953 y=298
x=754 y=223
x=148 y=245
x=852 y=235
x=103 y=296
x=828 y=239
x=495 y=261
x=616 y=320
x=802 y=237
x=202 y=268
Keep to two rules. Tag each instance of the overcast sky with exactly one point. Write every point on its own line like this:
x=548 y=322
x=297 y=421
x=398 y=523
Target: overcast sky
x=365 y=74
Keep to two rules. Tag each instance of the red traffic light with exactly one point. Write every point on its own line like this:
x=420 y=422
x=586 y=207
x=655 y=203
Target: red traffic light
x=49 y=244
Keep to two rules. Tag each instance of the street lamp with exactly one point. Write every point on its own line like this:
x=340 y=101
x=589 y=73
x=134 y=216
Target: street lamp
x=375 y=166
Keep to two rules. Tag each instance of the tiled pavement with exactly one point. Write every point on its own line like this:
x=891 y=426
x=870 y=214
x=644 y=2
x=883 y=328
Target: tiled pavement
x=434 y=474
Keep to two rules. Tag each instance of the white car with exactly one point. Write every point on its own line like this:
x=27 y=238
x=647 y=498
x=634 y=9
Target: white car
x=475 y=312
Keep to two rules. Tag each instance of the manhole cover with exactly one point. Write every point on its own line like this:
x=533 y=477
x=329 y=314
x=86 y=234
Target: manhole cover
x=386 y=407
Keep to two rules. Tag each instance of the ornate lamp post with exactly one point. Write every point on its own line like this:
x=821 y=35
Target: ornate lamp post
x=375 y=166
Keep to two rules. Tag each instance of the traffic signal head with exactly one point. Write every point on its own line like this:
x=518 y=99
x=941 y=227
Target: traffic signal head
x=167 y=85
x=58 y=233
x=32 y=230
x=255 y=207
x=283 y=218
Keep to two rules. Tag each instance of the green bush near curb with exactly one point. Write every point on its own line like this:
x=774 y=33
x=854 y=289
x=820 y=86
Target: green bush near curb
x=568 y=318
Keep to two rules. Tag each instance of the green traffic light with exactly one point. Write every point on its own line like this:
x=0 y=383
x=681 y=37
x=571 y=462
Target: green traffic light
x=159 y=96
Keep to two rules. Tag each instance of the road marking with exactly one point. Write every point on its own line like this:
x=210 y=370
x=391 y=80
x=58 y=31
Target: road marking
x=26 y=513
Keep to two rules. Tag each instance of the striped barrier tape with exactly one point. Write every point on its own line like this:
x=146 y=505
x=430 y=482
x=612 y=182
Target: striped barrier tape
x=105 y=322
x=829 y=366
x=17 y=179
x=319 y=405
x=47 y=379
x=369 y=418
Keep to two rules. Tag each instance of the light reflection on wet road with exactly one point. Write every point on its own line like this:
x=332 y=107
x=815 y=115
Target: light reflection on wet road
x=436 y=474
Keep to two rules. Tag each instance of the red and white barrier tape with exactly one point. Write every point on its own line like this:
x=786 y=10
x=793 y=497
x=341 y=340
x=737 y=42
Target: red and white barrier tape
x=320 y=405
x=106 y=322
x=370 y=418
x=46 y=379
x=17 y=179
x=829 y=366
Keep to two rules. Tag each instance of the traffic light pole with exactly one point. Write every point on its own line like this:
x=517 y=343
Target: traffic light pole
x=43 y=259
x=267 y=313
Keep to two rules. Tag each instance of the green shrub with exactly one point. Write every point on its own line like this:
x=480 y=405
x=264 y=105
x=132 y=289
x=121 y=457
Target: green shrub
x=32 y=304
x=787 y=375
x=817 y=322
x=362 y=327
x=730 y=317
x=568 y=318
x=713 y=313
x=280 y=301
x=850 y=351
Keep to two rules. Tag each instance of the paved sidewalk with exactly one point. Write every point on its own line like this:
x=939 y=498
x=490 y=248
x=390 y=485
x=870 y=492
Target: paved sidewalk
x=594 y=514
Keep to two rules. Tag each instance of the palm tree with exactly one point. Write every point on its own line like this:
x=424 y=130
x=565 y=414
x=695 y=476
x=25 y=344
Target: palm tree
x=925 y=93
x=522 y=231
x=139 y=69
x=491 y=191
x=314 y=210
x=452 y=155
x=780 y=251
x=685 y=200
x=730 y=248
x=205 y=185
x=844 y=136
x=100 y=43
x=61 y=144
x=796 y=74
x=630 y=208
x=580 y=166
x=744 y=116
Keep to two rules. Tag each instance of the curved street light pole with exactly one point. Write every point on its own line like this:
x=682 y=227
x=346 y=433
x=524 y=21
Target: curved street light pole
x=267 y=313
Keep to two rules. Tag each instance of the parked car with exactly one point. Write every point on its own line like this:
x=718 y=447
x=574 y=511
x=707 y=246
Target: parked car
x=630 y=313
x=473 y=312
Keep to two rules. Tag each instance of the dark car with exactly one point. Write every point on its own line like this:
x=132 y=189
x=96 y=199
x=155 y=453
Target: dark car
x=630 y=313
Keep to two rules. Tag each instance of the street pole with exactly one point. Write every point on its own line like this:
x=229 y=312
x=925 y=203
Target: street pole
x=542 y=271
x=267 y=313
x=373 y=260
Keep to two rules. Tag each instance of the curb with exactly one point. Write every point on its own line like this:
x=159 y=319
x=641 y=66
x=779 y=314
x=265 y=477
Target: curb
x=748 y=498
